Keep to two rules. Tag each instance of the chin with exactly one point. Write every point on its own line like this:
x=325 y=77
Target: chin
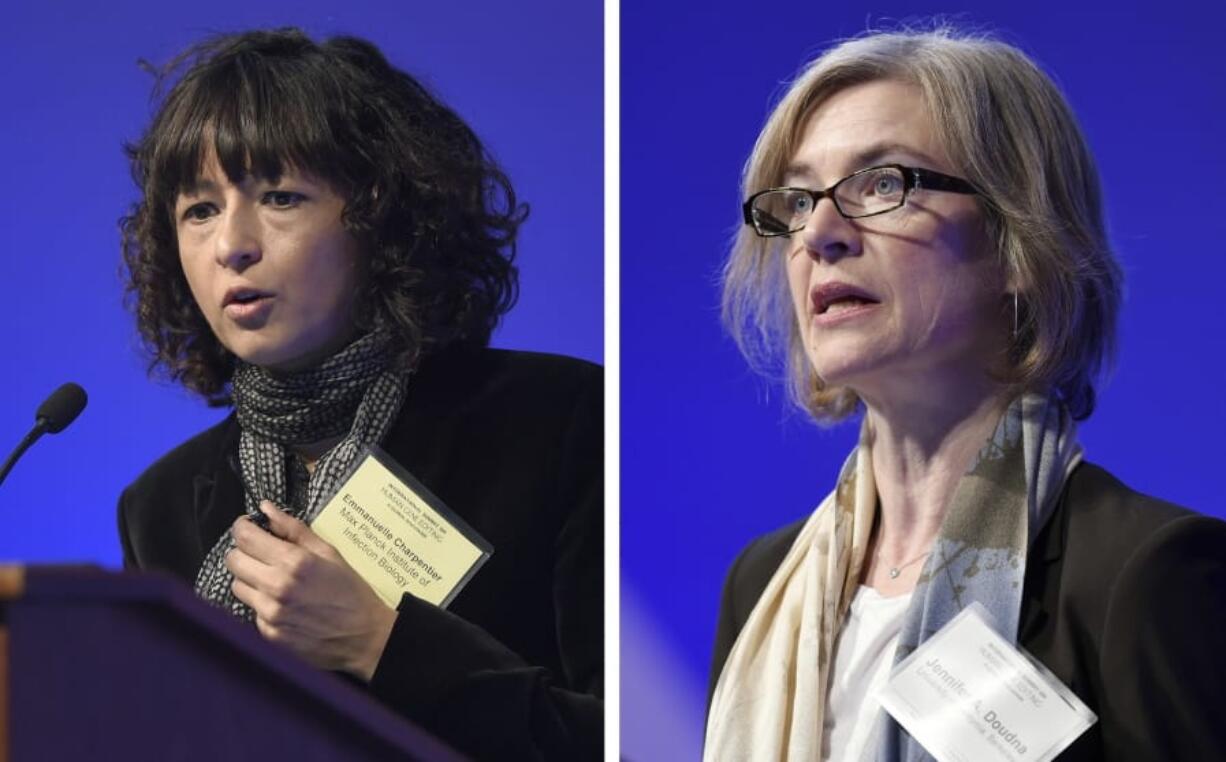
x=842 y=366
x=287 y=351
x=262 y=353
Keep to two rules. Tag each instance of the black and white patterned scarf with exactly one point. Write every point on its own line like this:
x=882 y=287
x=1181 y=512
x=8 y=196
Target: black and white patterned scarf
x=356 y=393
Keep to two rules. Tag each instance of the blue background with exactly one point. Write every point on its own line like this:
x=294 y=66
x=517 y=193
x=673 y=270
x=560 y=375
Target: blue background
x=710 y=454
x=527 y=76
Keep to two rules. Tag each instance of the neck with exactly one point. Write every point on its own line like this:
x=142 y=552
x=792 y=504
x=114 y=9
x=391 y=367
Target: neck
x=921 y=447
x=311 y=453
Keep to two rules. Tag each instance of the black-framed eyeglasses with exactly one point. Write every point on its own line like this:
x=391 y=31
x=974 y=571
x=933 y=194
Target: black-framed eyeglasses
x=869 y=192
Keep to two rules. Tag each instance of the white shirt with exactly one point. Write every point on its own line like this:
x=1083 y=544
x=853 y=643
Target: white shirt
x=863 y=657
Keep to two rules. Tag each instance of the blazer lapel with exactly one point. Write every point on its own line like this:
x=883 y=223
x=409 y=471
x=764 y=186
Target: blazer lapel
x=218 y=492
x=1037 y=599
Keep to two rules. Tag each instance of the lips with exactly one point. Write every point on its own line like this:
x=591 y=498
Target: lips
x=248 y=308
x=243 y=295
x=837 y=296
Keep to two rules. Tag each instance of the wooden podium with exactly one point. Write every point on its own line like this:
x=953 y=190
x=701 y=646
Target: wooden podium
x=97 y=665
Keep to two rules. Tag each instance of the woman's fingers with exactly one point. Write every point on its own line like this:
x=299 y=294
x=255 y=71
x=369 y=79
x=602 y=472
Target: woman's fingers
x=293 y=530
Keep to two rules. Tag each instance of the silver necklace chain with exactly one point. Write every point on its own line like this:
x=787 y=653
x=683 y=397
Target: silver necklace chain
x=896 y=570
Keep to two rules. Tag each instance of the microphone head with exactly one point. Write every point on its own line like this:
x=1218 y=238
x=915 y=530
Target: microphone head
x=61 y=408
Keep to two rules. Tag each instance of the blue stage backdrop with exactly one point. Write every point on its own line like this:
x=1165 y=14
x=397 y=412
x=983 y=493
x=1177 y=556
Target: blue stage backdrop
x=526 y=75
x=711 y=456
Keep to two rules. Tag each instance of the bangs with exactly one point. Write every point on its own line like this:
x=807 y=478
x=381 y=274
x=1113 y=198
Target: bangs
x=258 y=115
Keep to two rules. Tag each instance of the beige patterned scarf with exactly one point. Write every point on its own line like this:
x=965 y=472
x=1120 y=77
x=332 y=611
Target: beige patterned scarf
x=770 y=701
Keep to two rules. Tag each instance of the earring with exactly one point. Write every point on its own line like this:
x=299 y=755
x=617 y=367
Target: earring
x=1015 y=314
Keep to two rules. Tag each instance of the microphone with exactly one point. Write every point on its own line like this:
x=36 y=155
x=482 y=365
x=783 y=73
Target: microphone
x=52 y=417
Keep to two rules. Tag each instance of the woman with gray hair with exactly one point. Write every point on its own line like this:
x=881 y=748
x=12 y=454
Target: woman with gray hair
x=924 y=242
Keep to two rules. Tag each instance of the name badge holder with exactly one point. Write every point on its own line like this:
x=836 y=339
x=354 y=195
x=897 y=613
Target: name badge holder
x=969 y=695
x=399 y=536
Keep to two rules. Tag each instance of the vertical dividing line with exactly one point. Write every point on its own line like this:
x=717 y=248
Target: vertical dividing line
x=612 y=355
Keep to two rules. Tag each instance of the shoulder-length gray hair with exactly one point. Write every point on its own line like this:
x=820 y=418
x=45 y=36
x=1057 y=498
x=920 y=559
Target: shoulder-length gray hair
x=1008 y=129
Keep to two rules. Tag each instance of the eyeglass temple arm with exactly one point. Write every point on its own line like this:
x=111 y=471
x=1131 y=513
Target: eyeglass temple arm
x=933 y=180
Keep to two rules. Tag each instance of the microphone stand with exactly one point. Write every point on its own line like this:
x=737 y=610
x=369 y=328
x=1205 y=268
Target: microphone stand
x=40 y=428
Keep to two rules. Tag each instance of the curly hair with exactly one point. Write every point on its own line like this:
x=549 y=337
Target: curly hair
x=433 y=213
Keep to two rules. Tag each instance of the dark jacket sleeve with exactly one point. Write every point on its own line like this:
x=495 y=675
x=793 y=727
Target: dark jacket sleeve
x=747 y=578
x=1163 y=660
x=728 y=626
x=461 y=683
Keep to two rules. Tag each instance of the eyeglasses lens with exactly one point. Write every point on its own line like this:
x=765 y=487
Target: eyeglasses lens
x=871 y=192
x=863 y=194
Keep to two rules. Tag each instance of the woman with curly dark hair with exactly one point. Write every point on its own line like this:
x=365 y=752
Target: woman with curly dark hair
x=323 y=245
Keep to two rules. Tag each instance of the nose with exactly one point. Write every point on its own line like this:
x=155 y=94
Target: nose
x=828 y=235
x=238 y=240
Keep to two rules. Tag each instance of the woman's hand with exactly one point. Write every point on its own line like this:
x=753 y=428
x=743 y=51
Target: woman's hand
x=306 y=597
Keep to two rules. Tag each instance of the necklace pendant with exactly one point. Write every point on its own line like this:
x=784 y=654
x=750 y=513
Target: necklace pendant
x=894 y=572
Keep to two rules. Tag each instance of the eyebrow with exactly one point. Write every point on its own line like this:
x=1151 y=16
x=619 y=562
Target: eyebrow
x=203 y=185
x=198 y=187
x=863 y=159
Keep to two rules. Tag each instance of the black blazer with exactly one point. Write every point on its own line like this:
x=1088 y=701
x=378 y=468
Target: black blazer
x=512 y=442
x=1124 y=601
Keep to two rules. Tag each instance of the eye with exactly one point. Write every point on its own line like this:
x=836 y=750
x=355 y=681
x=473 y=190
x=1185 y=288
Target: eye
x=281 y=199
x=800 y=204
x=887 y=184
x=199 y=212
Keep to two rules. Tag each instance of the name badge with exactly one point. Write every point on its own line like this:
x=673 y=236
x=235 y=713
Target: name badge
x=397 y=535
x=969 y=695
